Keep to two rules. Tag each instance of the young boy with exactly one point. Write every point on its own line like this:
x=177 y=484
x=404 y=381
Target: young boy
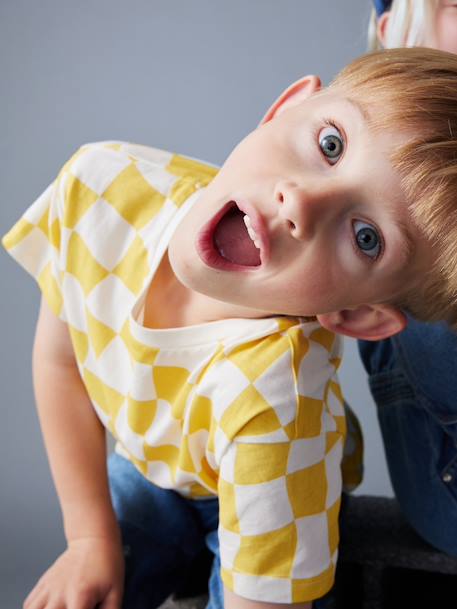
x=194 y=312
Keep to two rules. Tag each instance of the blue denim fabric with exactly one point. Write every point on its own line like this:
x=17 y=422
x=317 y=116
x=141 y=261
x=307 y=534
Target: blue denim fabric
x=413 y=379
x=215 y=586
x=162 y=533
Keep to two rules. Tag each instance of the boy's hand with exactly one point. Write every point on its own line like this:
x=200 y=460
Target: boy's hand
x=89 y=574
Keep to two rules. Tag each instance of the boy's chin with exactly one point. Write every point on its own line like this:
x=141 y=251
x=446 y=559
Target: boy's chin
x=188 y=275
x=178 y=268
x=225 y=301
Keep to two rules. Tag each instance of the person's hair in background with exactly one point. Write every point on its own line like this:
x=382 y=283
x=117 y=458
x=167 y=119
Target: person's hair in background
x=409 y=22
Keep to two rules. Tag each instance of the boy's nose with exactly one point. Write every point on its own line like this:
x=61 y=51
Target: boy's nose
x=300 y=208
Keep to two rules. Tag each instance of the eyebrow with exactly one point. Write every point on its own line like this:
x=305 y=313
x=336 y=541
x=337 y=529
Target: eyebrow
x=359 y=107
x=406 y=243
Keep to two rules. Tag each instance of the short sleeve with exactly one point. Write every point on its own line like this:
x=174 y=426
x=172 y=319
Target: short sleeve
x=279 y=491
x=35 y=243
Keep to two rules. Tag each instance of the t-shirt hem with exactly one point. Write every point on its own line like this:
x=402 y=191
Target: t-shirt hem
x=302 y=591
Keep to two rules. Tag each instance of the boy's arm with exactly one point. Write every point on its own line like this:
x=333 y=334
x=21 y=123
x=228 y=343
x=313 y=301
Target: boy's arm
x=75 y=443
x=233 y=601
x=74 y=436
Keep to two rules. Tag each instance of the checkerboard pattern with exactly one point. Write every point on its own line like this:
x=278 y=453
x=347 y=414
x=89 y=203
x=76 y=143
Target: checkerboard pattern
x=249 y=410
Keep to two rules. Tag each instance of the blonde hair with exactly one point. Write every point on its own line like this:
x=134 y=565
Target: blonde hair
x=414 y=90
x=410 y=21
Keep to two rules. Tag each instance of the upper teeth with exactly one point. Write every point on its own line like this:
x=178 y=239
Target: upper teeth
x=251 y=231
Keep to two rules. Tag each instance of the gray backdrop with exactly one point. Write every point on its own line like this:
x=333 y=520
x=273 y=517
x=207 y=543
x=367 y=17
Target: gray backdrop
x=192 y=76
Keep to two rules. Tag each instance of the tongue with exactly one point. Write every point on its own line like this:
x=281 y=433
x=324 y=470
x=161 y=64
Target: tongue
x=233 y=242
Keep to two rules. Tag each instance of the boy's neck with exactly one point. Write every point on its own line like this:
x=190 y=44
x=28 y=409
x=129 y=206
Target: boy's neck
x=170 y=304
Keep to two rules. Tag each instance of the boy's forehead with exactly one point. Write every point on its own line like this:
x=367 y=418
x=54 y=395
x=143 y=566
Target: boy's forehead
x=386 y=130
x=342 y=102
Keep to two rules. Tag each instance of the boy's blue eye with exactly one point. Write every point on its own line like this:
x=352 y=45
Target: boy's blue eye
x=331 y=144
x=367 y=239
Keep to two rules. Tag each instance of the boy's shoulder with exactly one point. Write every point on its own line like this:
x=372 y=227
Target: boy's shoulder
x=111 y=155
x=117 y=149
x=127 y=175
x=280 y=343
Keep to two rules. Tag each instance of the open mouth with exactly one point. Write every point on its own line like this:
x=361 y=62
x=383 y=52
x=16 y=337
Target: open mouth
x=235 y=239
x=230 y=241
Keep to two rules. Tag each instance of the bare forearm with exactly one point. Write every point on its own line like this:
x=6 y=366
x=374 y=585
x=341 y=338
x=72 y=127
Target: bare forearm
x=75 y=443
x=73 y=434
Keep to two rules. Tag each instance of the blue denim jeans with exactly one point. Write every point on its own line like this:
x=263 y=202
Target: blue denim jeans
x=413 y=379
x=162 y=534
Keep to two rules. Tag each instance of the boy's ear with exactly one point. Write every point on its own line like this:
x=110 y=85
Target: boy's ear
x=296 y=93
x=366 y=322
x=381 y=29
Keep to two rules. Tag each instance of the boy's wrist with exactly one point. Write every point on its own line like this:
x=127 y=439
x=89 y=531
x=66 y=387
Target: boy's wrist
x=113 y=542
x=86 y=520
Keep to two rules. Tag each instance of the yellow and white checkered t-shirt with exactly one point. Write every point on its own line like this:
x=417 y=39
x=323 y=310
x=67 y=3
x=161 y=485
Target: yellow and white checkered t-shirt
x=248 y=410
